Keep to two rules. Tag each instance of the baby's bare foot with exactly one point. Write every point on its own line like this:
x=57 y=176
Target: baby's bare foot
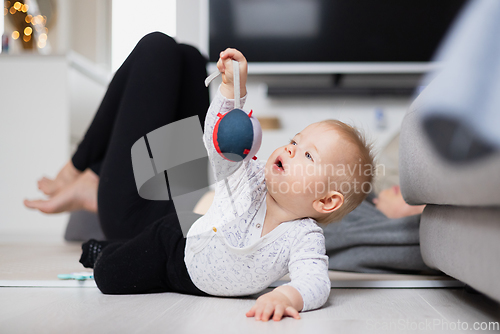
x=66 y=176
x=78 y=195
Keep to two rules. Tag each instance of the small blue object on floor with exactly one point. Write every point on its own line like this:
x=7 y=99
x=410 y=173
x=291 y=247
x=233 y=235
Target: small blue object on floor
x=77 y=276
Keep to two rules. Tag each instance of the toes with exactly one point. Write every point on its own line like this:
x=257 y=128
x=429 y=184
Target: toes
x=28 y=204
x=36 y=204
x=48 y=187
x=80 y=194
x=46 y=206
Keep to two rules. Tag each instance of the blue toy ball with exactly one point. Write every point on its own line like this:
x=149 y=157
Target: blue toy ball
x=237 y=135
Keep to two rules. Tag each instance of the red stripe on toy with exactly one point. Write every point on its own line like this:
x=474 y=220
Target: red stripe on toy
x=250 y=113
x=214 y=136
x=246 y=151
x=254 y=157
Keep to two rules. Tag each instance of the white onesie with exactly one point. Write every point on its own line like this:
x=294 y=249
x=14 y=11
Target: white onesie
x=225 y=254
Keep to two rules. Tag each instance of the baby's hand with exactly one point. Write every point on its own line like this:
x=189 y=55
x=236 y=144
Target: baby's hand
x=225 y=66
x=274 y=304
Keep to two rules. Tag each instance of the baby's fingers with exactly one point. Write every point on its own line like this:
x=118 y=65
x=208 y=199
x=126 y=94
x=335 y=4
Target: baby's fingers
x=220 y=66
x=278 y=312
x=232 y=54
x=258 y=312
x=268 y=312
x=251 y=312
x=290 y=311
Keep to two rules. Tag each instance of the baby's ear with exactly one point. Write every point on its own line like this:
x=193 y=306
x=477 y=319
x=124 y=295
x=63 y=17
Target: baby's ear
x=329 y=203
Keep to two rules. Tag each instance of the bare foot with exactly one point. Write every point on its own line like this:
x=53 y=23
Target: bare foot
x=391 y=203
x=66 y=176
x=81 y=194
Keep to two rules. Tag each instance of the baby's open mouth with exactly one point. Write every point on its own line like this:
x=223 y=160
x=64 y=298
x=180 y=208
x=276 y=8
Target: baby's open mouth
x=279 y=164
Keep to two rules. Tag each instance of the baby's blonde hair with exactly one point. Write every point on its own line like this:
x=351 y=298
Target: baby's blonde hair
x=359 y=159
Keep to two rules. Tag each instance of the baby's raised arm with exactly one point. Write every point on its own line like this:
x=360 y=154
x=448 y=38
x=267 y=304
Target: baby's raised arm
x=225 y=67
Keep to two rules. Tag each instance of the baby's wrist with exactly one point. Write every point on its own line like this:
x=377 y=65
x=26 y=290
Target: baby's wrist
x=227 y=91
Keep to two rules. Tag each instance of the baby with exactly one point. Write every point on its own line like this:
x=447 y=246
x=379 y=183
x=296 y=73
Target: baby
x=262 y=223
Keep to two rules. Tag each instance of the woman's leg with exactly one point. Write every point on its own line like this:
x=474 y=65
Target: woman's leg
x=153 y=261
x=160 y=82
x=164 y=83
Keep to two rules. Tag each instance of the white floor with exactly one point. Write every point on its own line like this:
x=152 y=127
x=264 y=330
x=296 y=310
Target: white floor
x=86 y=310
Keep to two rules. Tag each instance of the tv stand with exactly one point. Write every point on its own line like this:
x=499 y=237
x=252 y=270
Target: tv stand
x=344 y=85
x=283 y=91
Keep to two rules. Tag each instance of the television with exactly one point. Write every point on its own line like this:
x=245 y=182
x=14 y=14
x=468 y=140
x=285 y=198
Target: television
x=331 y=36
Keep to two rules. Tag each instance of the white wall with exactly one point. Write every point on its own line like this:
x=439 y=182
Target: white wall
x=131 y=20
x=190 y=22
x=34 y=138
x=88 y=29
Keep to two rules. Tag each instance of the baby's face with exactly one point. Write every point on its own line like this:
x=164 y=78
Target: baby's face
x=295 y=173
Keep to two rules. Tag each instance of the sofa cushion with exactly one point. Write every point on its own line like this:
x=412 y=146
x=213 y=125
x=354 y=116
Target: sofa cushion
x=427 y=178
x=463 y=243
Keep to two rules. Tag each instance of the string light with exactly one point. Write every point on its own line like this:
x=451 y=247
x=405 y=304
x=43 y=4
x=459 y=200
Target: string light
x=36 y=24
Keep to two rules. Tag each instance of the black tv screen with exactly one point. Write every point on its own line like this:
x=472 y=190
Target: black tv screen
x=330 y=30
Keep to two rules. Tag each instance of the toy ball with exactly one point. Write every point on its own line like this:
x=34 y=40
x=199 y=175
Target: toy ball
x=237 y=135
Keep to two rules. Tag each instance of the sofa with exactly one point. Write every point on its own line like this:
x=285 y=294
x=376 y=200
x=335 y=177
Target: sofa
x=460 y=226
x=449 y=156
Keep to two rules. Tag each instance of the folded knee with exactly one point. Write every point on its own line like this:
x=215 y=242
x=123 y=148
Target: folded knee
x=156 y=41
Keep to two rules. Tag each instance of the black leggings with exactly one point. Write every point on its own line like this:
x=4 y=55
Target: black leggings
x=159 y=83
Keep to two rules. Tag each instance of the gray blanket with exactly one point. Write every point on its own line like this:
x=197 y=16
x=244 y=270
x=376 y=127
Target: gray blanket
x=367 y=241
